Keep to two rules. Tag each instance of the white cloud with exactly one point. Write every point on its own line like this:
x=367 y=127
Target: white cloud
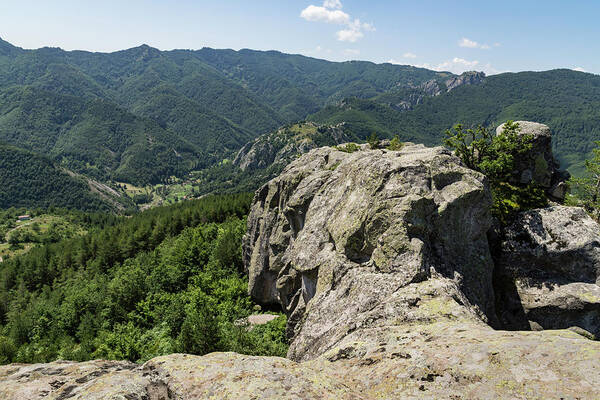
x=354 y=31
x=352 y=52
x=332 y=4
x=579 y=69
x=331 y=12
x=456 y=65
x=409 y=55
x=349 y=35
x=322 y=14
x=471 y=44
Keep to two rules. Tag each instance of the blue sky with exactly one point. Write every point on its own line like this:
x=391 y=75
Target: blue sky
x=493 y=36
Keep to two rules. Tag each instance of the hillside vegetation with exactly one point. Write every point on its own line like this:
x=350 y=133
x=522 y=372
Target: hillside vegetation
x=33 y=181
x=167 y=280
x=142 y=115
x=567 y=101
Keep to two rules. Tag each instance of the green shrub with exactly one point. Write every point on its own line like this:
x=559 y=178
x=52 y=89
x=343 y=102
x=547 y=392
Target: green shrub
x=395 y=144
x=494 y=156
x=373 y=141
x=348 y=148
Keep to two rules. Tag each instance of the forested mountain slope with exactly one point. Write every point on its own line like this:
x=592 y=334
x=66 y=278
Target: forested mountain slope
x=92 y=136
x=166 y=280
x=215 y=100
x=30 y=180
x=176 y=111
x=567 y=101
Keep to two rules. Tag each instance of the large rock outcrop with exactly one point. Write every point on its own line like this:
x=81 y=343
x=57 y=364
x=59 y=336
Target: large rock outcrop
x=382 y=262
x=548 y=270
x=279 y=148
x=539 y=164
x=356 y=230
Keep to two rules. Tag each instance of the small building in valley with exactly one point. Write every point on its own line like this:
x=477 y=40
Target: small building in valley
x=24 y=217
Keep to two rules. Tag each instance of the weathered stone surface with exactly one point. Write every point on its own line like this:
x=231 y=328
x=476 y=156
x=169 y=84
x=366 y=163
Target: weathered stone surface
x=352 y=230
x=548 y=269
x=454 y=359
x=279 y=148
x=539 y=164
x=555 y=243
x=70 y=380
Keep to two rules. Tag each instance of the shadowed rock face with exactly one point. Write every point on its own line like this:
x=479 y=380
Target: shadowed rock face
x=548 y=268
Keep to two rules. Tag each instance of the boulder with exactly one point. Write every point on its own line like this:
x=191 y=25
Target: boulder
x=548 y=270
x=348 y=232
x=539 y=165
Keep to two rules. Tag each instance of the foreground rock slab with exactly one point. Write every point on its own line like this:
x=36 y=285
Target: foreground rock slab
x=439 y=361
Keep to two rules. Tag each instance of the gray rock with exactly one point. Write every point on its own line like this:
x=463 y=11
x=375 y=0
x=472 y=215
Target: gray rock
x=548 y=270
x=279 y=148
x=348 y=232
x=539 y=164
x=466 y=78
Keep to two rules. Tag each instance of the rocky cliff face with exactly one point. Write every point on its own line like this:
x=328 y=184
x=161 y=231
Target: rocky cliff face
x=466 y=78
x=350 y=232
x=393 y=283
x=548 y=270
x=279 y=148
x=378 y=252
x=433 y=88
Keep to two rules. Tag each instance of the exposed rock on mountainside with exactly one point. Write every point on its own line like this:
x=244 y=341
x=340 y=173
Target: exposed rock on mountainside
x=548 y=267
x=326 y=243
x=539 y=165
x=279 y=148
x=436 y=87
x=466 y=78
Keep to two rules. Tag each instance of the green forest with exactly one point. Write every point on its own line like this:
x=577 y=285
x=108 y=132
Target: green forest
x=142 y=116
x=166 y=280
x=31 y=180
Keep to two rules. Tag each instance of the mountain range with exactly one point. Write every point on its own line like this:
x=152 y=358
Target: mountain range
x=142 y=115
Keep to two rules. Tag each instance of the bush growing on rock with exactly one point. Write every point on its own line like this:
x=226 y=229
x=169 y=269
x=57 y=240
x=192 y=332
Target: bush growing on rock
x=348 y=148
x=496 y=156
x=395 y=144
x=586 y=189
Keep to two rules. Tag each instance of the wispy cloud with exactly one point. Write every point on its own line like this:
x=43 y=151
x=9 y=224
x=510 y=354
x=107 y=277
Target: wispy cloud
x=409 y=55
x=352 y=52
x=332 y=4
x=579 y=69
x=456 y=65
x=471 y=44
x=331 y=12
